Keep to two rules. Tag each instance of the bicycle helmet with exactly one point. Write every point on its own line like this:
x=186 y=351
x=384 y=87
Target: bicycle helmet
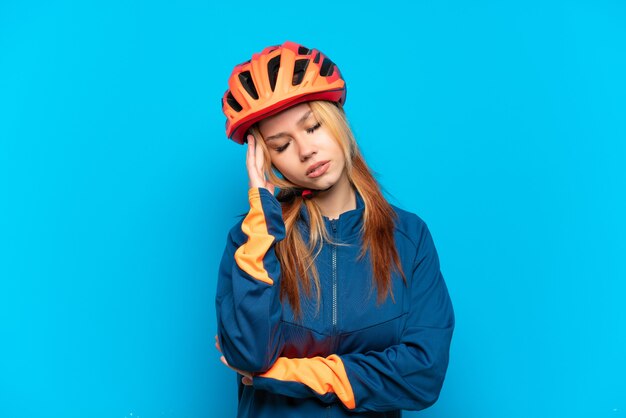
x=275 y=79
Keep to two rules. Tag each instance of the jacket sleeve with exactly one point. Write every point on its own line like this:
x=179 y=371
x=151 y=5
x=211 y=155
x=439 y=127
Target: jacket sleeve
x=408 y=375
x=247 y=298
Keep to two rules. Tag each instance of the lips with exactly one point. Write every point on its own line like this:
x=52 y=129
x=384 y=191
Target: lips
x=317 y=169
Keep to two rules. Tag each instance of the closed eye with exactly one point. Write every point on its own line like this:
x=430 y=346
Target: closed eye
x=309 y=131
x=282 y=148
x=313 y=128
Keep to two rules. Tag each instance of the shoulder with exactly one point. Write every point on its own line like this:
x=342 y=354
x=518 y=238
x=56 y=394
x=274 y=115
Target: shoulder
x=410 y=226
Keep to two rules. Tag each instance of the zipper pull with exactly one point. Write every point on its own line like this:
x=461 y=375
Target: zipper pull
x=333 y=224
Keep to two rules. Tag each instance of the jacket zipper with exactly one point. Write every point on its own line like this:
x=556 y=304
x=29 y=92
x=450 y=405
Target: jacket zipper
x=333 y=224
x=334 y=261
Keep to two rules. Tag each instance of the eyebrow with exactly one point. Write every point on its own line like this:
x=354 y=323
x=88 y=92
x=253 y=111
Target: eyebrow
x=281 y=134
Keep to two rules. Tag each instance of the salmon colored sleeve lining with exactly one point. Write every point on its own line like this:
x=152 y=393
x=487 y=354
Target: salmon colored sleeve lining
x=249 y=257
x=323 y=375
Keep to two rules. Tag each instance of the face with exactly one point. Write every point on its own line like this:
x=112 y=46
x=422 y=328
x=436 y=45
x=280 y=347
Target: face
x=303 y=149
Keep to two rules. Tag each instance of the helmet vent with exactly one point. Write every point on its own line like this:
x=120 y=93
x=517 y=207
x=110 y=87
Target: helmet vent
x=246 y=81
x=317 y=58
x=272 y=70
x=303 y=50
x=299 y=70
x=327 y=68
x=233 y=103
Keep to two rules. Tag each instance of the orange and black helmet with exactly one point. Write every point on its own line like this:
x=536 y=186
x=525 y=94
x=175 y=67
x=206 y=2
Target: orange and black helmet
x=275 y=79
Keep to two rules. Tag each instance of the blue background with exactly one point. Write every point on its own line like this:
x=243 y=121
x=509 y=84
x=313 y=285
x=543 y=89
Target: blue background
x=502 y=124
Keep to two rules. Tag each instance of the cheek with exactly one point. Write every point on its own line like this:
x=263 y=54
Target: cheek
x=275 y=162
x=279 y=165
x=339 y=155
x=285 y=161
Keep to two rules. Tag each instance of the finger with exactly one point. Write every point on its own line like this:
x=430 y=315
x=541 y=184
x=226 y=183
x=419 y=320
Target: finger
x=259 y=160
x=250 y=153
x=255 y=175
x=241 y=372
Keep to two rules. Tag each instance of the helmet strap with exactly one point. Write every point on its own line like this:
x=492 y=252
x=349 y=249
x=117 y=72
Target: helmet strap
x=305 y=193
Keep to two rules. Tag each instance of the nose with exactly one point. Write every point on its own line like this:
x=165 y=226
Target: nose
x=307 y=149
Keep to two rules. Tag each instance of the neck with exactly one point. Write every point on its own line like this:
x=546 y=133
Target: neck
x=339 y=199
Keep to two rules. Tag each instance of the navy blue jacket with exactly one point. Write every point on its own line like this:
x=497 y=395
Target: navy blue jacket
x=350 y=354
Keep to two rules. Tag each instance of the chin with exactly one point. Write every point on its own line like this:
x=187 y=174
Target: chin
x=323 y=185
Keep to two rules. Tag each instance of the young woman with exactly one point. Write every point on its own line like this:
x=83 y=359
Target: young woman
x=330 y=300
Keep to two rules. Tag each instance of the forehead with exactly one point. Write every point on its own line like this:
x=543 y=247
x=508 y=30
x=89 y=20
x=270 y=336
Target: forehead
x=284 y=119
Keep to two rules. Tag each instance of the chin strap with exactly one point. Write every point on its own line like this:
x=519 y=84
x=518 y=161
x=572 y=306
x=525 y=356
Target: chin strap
x=307 y=194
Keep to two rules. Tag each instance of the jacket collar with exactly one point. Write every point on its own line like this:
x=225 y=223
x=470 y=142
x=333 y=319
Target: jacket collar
x=347 y=225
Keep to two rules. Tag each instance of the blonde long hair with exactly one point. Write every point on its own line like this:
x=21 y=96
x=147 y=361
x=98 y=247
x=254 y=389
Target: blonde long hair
x=297 y=259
